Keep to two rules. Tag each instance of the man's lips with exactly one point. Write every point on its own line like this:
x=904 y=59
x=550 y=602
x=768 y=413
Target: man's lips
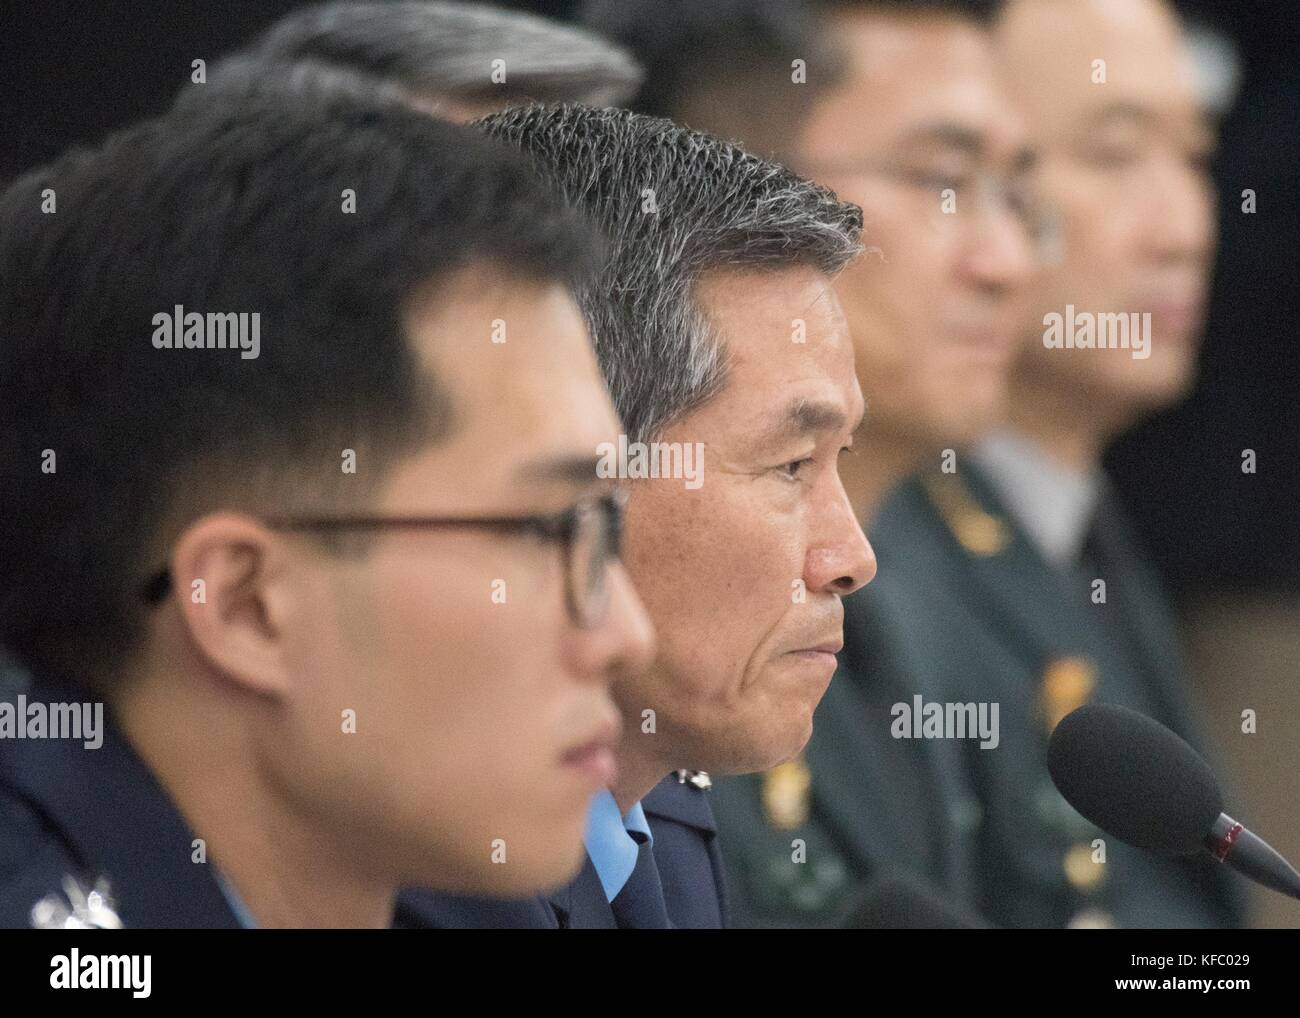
x=825 y=647
x=594 y=759
x=990 y=340
x=1180 y=316
x=822 y=654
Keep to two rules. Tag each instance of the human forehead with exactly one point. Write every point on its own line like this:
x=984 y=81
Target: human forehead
x=755 y=308
x=1070 y=63
x=784 y=338
x=932 y=83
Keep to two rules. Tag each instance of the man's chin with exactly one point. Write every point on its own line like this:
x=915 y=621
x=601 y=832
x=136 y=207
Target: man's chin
x=1163 y=387
x=562 y=868
x=503 y=871
x=765 y=754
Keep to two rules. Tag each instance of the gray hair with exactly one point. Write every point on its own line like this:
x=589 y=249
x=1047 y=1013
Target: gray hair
x=244 y=77
x=716 y=207
x=446 y=50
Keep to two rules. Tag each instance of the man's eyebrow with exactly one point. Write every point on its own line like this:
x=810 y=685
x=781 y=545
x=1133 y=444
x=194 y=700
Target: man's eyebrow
x=569 y=468
x=803 y=416
x=1201 y=121
x=947 y=134
x=1023 y=161
x=1121 y=111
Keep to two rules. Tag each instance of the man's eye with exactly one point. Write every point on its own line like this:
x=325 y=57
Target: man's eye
x=1027 y=206
x=1113 y=155
x=542 y=530
x=792 y=469
x=938 y=182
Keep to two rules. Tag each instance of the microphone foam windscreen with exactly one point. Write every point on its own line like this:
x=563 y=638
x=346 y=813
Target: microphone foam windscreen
x=1134 y=778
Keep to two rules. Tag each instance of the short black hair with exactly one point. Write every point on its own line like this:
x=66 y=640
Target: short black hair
x=726 y=66
x=688 y=45
x=227 y=207
x=982 y=12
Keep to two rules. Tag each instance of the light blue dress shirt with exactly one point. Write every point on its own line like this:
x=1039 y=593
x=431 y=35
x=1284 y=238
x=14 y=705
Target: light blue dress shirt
x=609 y=841
x=1053 y=503
x=236 y=903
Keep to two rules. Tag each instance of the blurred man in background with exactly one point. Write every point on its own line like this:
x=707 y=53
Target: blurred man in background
x=457 y=61
x=1038 y=598
x=724 y=66
x=228 y=544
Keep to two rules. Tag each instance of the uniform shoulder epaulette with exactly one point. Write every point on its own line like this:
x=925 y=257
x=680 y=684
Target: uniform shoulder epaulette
x=978 y=531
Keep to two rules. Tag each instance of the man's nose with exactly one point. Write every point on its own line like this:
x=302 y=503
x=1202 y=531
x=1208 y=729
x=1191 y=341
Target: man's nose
x=1180 y=215
x=1002 y=252
x=841 y=559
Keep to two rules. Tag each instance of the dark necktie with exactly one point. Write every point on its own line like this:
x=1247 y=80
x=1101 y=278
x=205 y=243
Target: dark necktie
x=640 y=903
x=1106 y=556
x=1094 y=557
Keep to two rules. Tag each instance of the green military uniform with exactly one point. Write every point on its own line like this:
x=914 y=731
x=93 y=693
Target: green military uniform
x=1042 y=639
x=804 y=842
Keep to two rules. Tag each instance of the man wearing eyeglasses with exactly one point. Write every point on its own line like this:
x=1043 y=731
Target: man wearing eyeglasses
x=353 y=606
x=1020 y=583
x=1059 y=607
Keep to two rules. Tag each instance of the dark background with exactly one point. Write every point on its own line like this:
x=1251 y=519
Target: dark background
x=70 y=72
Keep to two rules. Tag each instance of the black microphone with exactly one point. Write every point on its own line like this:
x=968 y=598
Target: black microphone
x=896 y=902
x=1141 y=783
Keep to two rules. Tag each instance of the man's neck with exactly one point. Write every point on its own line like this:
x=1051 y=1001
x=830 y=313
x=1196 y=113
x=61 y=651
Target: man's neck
x=639 y=770
x=1070 y=424
x=286 y=872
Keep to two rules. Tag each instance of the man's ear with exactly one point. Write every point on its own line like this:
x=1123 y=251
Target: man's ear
x=228 y=576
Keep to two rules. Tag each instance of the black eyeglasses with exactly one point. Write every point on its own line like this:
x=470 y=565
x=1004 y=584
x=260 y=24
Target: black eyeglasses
x=590 y=533
x=990 y=189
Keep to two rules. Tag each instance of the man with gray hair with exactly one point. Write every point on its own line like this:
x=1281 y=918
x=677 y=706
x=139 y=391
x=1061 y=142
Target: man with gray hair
x=457 y=61
x=719 y=335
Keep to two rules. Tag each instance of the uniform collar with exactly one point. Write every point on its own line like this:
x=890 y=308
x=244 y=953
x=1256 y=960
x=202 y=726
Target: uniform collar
x=117 y=822
x=1053 y=504
x=610 y=840
x=677 y=798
